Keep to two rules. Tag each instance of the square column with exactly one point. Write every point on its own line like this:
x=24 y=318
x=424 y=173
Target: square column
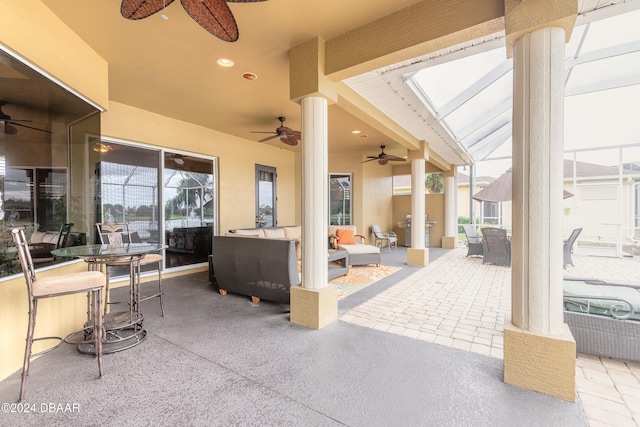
x=417 y=254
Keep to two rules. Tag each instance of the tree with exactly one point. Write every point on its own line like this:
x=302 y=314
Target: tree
x=434 y=183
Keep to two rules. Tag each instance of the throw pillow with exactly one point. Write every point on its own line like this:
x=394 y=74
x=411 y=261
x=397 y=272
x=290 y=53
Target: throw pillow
x=345 y=237
x=293 y=232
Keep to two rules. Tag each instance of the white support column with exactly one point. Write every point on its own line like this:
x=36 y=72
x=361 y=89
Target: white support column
x=417 y=203
x=418 y=254
x=539 y=351
x=450 y=238
x=538 y=181
x=315 y=303
x=315 y=192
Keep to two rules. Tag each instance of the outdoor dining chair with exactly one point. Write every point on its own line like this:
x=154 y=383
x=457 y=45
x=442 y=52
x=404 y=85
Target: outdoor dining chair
x=568 y=247
x=90 y=282
x=496 y=246
x=474 y=242
x=118 y=233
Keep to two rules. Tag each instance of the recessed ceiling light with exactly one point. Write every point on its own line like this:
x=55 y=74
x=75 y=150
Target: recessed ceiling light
x=355 y=132
x=165 y=17
x=225 y=62
x=249 y=76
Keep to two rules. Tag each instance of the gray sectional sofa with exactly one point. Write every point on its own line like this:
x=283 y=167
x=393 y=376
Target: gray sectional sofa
x=259 y=267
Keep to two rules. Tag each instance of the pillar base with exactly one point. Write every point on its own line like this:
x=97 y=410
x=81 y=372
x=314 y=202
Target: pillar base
x=542 y=363
x=314 y=308
x=449 y=242
x=417 y=257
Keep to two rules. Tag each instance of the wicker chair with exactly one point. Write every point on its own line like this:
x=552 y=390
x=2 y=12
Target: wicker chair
x=90 y=282
x=496 y=246
x=119 y=233
x=604 y=317
x=474 y=242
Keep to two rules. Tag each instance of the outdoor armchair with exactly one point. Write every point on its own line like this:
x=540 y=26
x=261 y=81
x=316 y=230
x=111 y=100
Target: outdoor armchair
x=384 y=238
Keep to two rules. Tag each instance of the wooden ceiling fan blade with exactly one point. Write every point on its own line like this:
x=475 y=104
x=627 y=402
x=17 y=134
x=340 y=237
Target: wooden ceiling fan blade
x=370 y=160
x=244 y=1
x=269 y=137
x=30 y=127
x=297 y=134
x=394 y=158
x=383 y=161
x=214 y=16
x=289 y=140
x=140 y=9
x=8 y=129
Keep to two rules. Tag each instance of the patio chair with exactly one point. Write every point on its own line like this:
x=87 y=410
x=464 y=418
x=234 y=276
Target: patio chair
x=118 y=233
x=603 y=316
x=568 y=247
x=474 y=242
x=496 y=246
x=384 y=238
x=90 y=282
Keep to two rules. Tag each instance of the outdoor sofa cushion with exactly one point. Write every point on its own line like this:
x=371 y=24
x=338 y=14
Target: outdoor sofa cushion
x=575 y=291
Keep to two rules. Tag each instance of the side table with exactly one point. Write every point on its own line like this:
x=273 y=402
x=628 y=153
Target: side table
x=338 y=260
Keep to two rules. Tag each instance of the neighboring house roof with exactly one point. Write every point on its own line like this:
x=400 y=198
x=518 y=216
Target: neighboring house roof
x=592 y=170
x=463 y=179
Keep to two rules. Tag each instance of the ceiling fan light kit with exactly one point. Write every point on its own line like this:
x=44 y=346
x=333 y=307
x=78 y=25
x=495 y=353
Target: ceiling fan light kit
x=212 y=15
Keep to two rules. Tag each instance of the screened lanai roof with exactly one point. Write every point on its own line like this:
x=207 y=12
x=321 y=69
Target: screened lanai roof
x=459 y=98
x=602 y=70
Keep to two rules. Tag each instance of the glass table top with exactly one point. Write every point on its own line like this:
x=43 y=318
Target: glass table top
x=107 y=251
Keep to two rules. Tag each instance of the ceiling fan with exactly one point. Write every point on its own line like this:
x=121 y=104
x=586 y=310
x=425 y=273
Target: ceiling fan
x=383 y=158
x=212 y=15
x=286 y=134
x=7 y=125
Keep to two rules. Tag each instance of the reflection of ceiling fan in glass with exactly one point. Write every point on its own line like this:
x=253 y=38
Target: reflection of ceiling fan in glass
x=212 y=15
x=7 y=124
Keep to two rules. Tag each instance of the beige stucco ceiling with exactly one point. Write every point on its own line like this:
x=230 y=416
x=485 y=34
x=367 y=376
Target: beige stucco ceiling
x=168 y=66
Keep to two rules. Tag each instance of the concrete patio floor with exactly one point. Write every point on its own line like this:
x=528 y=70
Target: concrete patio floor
x=459 y=302
x=421 y=347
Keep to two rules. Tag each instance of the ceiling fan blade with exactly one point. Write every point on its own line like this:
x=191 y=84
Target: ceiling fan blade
x=257 y=131
x=370 y=160
x=268 y=138
x=140 y=9
x=297 y=135
x=289 y=140
x=383 y=161
x=243 y=1
x=214 y=16
x=29 y=127
x=394 y=158
x=8 y=129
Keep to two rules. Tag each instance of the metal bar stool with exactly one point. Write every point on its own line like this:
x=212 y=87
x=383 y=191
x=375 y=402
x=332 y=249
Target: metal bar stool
x=90 y=282
x=118 y=233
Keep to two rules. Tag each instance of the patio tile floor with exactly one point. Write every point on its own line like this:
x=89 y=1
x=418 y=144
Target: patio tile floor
x=458 y=302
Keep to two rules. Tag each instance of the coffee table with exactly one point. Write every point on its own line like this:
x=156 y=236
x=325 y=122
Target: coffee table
x=338 y=263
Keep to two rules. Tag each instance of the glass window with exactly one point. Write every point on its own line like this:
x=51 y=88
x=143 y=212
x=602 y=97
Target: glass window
x=340 y=199
x=190 y=208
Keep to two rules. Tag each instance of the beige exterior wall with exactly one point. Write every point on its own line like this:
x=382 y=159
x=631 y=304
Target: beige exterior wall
x=32 y=25
x=434 y=207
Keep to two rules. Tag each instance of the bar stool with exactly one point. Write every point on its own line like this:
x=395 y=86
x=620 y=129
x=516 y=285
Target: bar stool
x=90 y=282
x=118 y=233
